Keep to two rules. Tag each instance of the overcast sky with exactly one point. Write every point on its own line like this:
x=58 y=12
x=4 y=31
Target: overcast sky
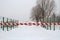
x=19 y=9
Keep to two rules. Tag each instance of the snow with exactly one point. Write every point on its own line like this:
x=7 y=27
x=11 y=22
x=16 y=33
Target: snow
x=30 y=33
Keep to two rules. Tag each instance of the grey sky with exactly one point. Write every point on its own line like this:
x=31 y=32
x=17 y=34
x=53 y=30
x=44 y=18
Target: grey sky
x=19 y=9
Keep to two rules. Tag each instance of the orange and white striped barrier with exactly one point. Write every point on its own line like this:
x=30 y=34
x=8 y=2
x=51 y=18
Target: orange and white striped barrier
x=28 y=23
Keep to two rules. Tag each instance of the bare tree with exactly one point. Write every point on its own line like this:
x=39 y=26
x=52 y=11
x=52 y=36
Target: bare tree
x=43 y=9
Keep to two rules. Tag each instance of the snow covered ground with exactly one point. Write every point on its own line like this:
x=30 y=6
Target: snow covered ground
x=30 y=33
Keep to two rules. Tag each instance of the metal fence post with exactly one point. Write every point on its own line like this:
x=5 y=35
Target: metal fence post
x=54 y=22
x=3 y=22
x=50 y=23
x=11 y=25
x=7 y=25
x=47 y=22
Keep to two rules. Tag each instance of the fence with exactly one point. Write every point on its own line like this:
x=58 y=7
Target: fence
x=5 y=26
x=54 y=22
x=51 y=23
